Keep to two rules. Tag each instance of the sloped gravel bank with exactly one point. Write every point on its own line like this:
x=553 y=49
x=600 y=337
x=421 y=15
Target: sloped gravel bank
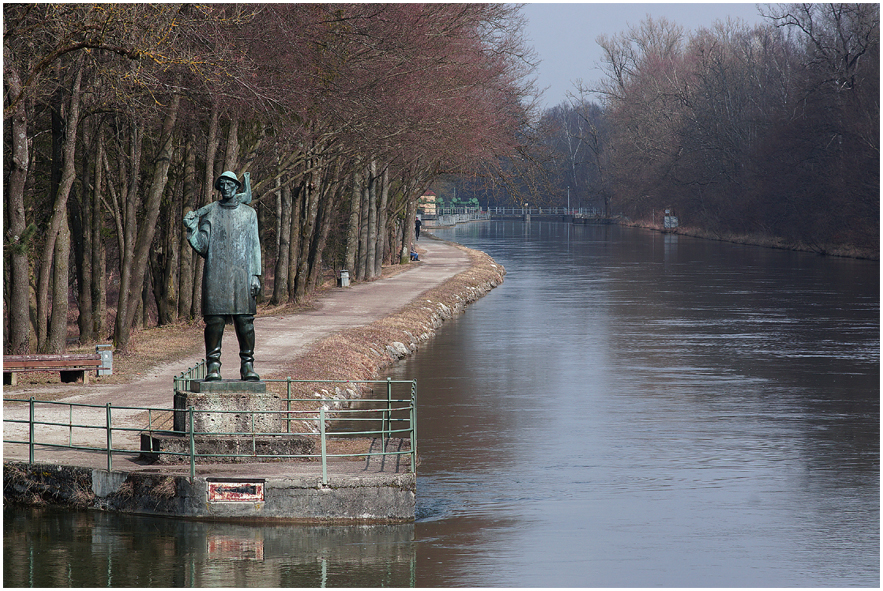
x=363 y=353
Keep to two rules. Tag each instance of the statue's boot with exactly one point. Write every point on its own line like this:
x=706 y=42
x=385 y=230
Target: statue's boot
x=245 y=335
x=214 y=335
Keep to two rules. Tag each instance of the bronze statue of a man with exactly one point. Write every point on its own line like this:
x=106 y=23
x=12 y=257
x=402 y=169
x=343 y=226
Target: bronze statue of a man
x=225 y=234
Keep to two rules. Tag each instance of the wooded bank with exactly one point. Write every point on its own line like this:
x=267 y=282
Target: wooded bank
x=768 y=131
x=120 y=116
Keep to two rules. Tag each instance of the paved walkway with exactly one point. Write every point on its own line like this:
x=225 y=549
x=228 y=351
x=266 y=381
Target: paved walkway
x=281 y=339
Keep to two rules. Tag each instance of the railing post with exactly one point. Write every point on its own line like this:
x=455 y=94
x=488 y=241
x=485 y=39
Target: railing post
x=192 y=446
x=109 y=440
x=324 y=449
x=388 y=432
x=414 y=426
x=31 y=433
x=288 y=405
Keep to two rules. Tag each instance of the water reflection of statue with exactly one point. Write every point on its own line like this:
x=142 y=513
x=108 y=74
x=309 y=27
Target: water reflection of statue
x=225 y=233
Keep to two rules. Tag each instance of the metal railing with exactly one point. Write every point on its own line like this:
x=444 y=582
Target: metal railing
x=578 y=211
x=487 y=212
x=53 y=424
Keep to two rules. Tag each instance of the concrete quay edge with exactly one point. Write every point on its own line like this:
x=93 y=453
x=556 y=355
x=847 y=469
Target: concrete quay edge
x=301 y=498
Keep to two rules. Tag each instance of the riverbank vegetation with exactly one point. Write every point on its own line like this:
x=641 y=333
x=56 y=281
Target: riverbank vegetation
x=768 y=134
x=118 y=118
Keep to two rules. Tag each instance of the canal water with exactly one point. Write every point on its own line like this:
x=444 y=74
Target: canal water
x=627 y=409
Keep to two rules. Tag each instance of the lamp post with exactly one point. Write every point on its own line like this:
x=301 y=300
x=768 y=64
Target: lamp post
x=568 y=199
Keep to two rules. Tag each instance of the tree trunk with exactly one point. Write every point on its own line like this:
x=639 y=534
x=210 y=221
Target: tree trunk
x=150 y=214
x=128 y=204
x=96 y=246
x=166 y=274
x=408 y=231
x=370 y=271
x=188 y=201
x=158 y=183
x=155 y=264
x=143 y=318
x=326 y=216
x=17 y=242
x=381 y=224
x=311 y=212
x=117 y=205
x=363 y=234
x=59 y=214
x=56 y=340
x=99 y=255
x=278 y=225
x=99 y=283
x=231 y=156
x=352 y=234
x=81 y=222
x=174 y=268
x=297 y=207
x=392 y=241
x=280 y=274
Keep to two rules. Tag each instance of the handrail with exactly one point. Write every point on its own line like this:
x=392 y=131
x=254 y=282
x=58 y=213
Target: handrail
x=396 y=417
x=446 y=214
x=578 y=211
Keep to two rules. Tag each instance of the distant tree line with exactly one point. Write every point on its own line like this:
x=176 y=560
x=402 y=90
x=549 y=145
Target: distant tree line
x=118 y=118
x=770 y=131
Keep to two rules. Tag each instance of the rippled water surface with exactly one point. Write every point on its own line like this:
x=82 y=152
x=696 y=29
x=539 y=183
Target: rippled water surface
x=640 y=409
x=627 y=409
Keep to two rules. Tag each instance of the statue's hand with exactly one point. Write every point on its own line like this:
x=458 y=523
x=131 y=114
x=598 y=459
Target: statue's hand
x=190 y=220
x=255 y=286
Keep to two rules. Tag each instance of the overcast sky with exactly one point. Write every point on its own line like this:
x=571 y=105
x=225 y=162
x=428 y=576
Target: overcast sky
x=563 y=35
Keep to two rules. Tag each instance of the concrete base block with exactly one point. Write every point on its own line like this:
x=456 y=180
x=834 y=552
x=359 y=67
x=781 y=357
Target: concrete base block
x=224 y=407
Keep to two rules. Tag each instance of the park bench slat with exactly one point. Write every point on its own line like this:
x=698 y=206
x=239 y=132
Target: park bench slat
x=53 y=357
x=71 y=365
x=86 y=363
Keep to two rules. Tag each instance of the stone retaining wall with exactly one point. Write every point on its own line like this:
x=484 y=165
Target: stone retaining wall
x=370 y=498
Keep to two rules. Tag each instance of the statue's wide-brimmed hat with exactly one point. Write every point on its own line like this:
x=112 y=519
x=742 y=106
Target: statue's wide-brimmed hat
x=230 y=175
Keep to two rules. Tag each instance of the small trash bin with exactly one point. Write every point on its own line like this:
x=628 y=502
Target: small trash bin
x=106 y=354
x=344 y=278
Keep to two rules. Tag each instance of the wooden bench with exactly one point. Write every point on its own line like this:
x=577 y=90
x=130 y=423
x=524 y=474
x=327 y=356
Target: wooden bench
x=71 y=367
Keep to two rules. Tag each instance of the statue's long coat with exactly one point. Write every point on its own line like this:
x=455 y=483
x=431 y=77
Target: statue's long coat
x=227 y=238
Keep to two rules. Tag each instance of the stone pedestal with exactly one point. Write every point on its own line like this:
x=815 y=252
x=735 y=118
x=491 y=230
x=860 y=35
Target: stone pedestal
x=229 y=406
x=231 y=424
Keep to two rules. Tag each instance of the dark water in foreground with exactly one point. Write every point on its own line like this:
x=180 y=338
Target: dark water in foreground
x=627 y=409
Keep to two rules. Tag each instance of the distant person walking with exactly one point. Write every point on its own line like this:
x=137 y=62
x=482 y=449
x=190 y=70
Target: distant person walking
x=417 y=225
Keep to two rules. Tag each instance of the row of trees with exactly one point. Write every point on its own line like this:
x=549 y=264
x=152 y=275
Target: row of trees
x=771 y=130
x=768 y=130
x=118 y=117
